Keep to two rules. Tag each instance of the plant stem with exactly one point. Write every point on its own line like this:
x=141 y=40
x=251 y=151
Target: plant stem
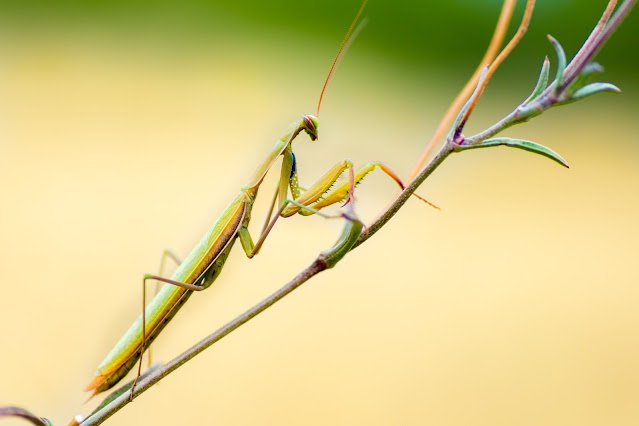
x=145 y=383
x=595 y=42
x=313 y=269
x=491 y=52
x=549 y=97
x=445 y=151
x=522 y=113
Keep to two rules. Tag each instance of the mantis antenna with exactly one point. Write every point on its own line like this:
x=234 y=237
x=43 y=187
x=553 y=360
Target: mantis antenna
x=343 y=47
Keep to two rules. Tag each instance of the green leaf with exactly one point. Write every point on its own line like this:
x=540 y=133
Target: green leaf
x=592 y=88
x=561 y=62
x=585 y=76
x=590 y=69
x=521 y=144
x=542 y=81
x=467 y=104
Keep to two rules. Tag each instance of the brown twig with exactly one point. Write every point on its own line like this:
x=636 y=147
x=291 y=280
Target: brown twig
x=495 y=43
x=320 y=264
x=523 y=27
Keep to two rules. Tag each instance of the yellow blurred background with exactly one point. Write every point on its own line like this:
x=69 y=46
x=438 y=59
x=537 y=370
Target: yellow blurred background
x=514 y=304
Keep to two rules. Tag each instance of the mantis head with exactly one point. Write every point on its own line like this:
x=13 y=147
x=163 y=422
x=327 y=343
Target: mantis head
x=310 y=125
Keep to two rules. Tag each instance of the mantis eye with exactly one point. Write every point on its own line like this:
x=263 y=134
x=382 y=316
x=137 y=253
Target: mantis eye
x=310 y=122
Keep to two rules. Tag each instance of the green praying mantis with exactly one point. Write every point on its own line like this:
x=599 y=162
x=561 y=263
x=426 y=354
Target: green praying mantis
x=203 y=265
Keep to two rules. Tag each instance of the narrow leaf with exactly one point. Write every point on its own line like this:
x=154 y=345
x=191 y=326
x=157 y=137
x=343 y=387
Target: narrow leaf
x=521 y=144
x=592 y=88
x=591 y=68
x=542 y=81
x=561 y=62
x=585 y=76
x=467 y=104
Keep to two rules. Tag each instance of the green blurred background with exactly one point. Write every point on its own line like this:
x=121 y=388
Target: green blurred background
x=127 y=126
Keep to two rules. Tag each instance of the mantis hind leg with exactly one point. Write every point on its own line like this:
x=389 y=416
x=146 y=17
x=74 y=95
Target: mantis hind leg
x=166 y=254
x=157 y=278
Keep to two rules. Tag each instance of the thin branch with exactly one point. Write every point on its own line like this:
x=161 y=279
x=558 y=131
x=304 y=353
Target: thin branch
x=370 y=230
x=320 y=264
x=145 y=383
x=523 y=27
x=585 y=55
x=24 y=414
x=507 y=121
x=592 y=38
x=495 y=43
x=549 y=97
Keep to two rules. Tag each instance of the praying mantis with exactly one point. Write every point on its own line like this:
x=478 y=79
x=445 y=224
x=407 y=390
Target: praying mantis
x=204 y=263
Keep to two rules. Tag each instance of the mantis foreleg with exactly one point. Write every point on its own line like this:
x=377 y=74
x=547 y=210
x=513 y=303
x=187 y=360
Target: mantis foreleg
x=327 y=191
